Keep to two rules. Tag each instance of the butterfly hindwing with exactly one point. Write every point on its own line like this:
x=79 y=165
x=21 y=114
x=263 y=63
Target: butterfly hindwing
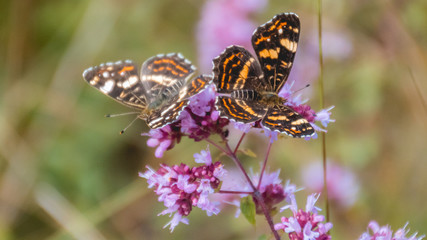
x=118 y=80
x=198 y=84
x=283 y=119
x=169 y=113
x=165 y=74
x=275 y=43
x=240 y=110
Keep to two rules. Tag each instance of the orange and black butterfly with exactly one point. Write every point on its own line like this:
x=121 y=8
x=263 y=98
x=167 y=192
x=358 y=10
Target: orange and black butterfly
x=248 y=87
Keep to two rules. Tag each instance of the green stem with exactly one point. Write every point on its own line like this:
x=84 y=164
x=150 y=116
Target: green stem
x=420 y=94
x=322 y=105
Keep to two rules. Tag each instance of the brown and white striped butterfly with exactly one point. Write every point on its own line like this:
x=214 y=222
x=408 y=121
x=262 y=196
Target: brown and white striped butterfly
x=160 y=92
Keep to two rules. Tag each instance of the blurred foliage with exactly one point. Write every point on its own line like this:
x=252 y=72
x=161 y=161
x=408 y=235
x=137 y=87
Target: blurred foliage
x=66 y=173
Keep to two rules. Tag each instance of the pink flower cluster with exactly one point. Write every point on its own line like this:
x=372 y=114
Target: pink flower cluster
x=385 y=233
x=271 y=190
x=181 y=187
x=201 y=118
x=304 y=225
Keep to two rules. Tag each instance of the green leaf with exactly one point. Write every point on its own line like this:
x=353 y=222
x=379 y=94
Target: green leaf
x=247 y=206
x=263 y=237
x=248 y=152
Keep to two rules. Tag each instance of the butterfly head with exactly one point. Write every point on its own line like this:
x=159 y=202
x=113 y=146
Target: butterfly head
x=145 y=114
x=271 y=99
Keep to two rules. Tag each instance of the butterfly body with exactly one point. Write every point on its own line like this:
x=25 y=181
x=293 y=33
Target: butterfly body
x=160 y=91
x=266 y=98
x=248 y=88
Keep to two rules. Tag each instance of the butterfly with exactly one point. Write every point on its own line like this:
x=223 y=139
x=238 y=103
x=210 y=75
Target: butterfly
x=160 y=92
x=248 y=88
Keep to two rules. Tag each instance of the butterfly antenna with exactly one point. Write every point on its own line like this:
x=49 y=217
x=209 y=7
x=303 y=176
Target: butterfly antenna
x=136 y=97
x=306 y=86
x=120 y=114
x=123 y=131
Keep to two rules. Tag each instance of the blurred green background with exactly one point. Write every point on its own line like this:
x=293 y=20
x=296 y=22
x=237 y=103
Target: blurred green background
x=66 y=173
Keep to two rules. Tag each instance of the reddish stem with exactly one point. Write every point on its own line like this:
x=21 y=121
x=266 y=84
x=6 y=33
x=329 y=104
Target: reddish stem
x=238 y=144
x=258 y=197
x=233 y=156
x=264 y=164
x=256 y=194
x=234 y=192
x=216 y=145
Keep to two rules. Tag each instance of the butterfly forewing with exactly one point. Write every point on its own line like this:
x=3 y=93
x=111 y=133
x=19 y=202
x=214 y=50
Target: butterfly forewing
x=276 y=43
x=236 y=69
x=118 y=80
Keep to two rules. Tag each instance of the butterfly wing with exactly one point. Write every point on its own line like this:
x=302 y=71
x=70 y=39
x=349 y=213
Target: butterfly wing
x=240 y=110
x=237 y=69
x=195 y=86
x=275 y=44
x=119 y=81
x=164 y=75
x=285 y=120
x=167 y=114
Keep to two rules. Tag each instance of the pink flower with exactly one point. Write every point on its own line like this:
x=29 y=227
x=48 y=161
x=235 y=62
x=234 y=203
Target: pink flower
x=224 y=23
x=181 y=188
x=203 y=157
x=343 y=186
x=385 y=233
x=163 y=138
x=304 y=224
